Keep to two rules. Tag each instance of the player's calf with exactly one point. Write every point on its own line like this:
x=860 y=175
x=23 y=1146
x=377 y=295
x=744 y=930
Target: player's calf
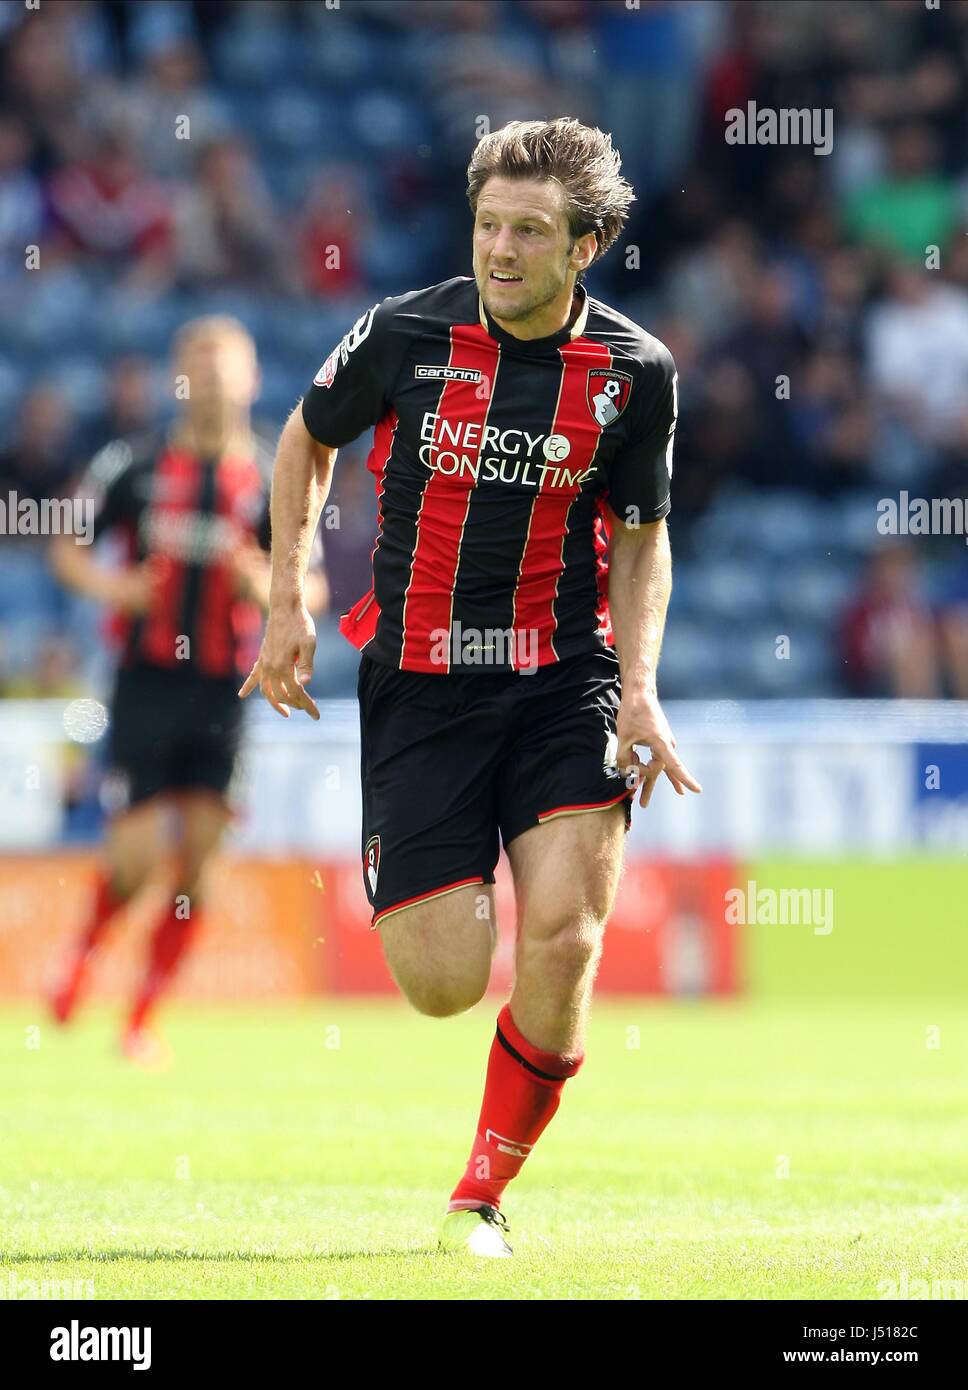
x=131 y=855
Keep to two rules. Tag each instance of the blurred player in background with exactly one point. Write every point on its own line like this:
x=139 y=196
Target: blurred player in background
x=191 y=506
x=508 y=668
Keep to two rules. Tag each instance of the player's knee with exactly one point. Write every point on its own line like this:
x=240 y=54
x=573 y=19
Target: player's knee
x=128 y=878
x=570 y=942
x=124 y=886
x=440 y=956
x=576 y=947
x=438 y=998
x=189 y=898
x=192 y=879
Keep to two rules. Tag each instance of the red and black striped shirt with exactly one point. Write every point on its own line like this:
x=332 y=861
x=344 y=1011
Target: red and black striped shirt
x=190 y=515
x=493 y=457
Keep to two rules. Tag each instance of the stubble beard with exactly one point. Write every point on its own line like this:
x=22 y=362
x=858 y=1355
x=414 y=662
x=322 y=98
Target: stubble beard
x=525 y=310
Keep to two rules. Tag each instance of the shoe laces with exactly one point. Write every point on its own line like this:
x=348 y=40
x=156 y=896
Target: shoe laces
x=493 y=1217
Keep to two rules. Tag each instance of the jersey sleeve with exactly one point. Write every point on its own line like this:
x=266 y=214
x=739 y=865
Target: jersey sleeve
x=641 y=475
x=105 y=487
x=352 y=389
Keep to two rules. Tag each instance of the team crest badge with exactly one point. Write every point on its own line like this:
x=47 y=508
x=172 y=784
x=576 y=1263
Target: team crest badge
x=371 y=861
x=327 y=372
x=608 y=393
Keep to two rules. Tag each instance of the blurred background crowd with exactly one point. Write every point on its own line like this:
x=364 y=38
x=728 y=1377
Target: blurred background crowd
x=310 y=127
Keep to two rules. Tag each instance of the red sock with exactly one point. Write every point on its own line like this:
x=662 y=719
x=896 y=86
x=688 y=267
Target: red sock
x=521 y=1094
x=106 y=904
x=171 y=940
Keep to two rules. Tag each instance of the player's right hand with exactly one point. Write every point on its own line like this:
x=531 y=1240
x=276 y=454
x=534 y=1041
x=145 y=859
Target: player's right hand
x=641 y=721
x=285 y=664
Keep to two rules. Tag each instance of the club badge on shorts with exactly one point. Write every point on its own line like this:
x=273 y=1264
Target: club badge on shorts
x=607 y=393
x=371 y=861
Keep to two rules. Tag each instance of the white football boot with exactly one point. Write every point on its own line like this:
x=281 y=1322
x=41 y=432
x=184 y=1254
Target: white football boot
x=478 y=1231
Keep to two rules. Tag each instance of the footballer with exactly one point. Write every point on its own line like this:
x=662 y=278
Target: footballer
x=190 y=507
x=522 y=459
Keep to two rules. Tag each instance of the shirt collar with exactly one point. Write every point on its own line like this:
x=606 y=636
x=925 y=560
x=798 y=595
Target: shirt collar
x=537 y=345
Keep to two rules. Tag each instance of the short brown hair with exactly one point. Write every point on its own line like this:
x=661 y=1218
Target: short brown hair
x=577 y=156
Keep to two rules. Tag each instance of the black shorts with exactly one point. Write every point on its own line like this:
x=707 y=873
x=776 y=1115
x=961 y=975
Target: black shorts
x=171 y=730
x=450 y=763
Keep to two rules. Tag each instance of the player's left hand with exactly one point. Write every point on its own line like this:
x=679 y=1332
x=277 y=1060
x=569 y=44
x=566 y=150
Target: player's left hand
x=641 y=721
x=285 y=664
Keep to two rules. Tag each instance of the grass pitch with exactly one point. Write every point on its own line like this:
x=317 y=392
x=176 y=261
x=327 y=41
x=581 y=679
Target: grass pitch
x=780 y=1149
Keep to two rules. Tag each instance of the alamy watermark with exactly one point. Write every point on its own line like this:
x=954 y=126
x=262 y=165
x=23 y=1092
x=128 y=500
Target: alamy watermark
x=922 y=1289
x=51 y=516
x=922 y=516
x=786 y=125
x=77 y=1343
x=489 y=646
x=785 y=907
x=14 y=1286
